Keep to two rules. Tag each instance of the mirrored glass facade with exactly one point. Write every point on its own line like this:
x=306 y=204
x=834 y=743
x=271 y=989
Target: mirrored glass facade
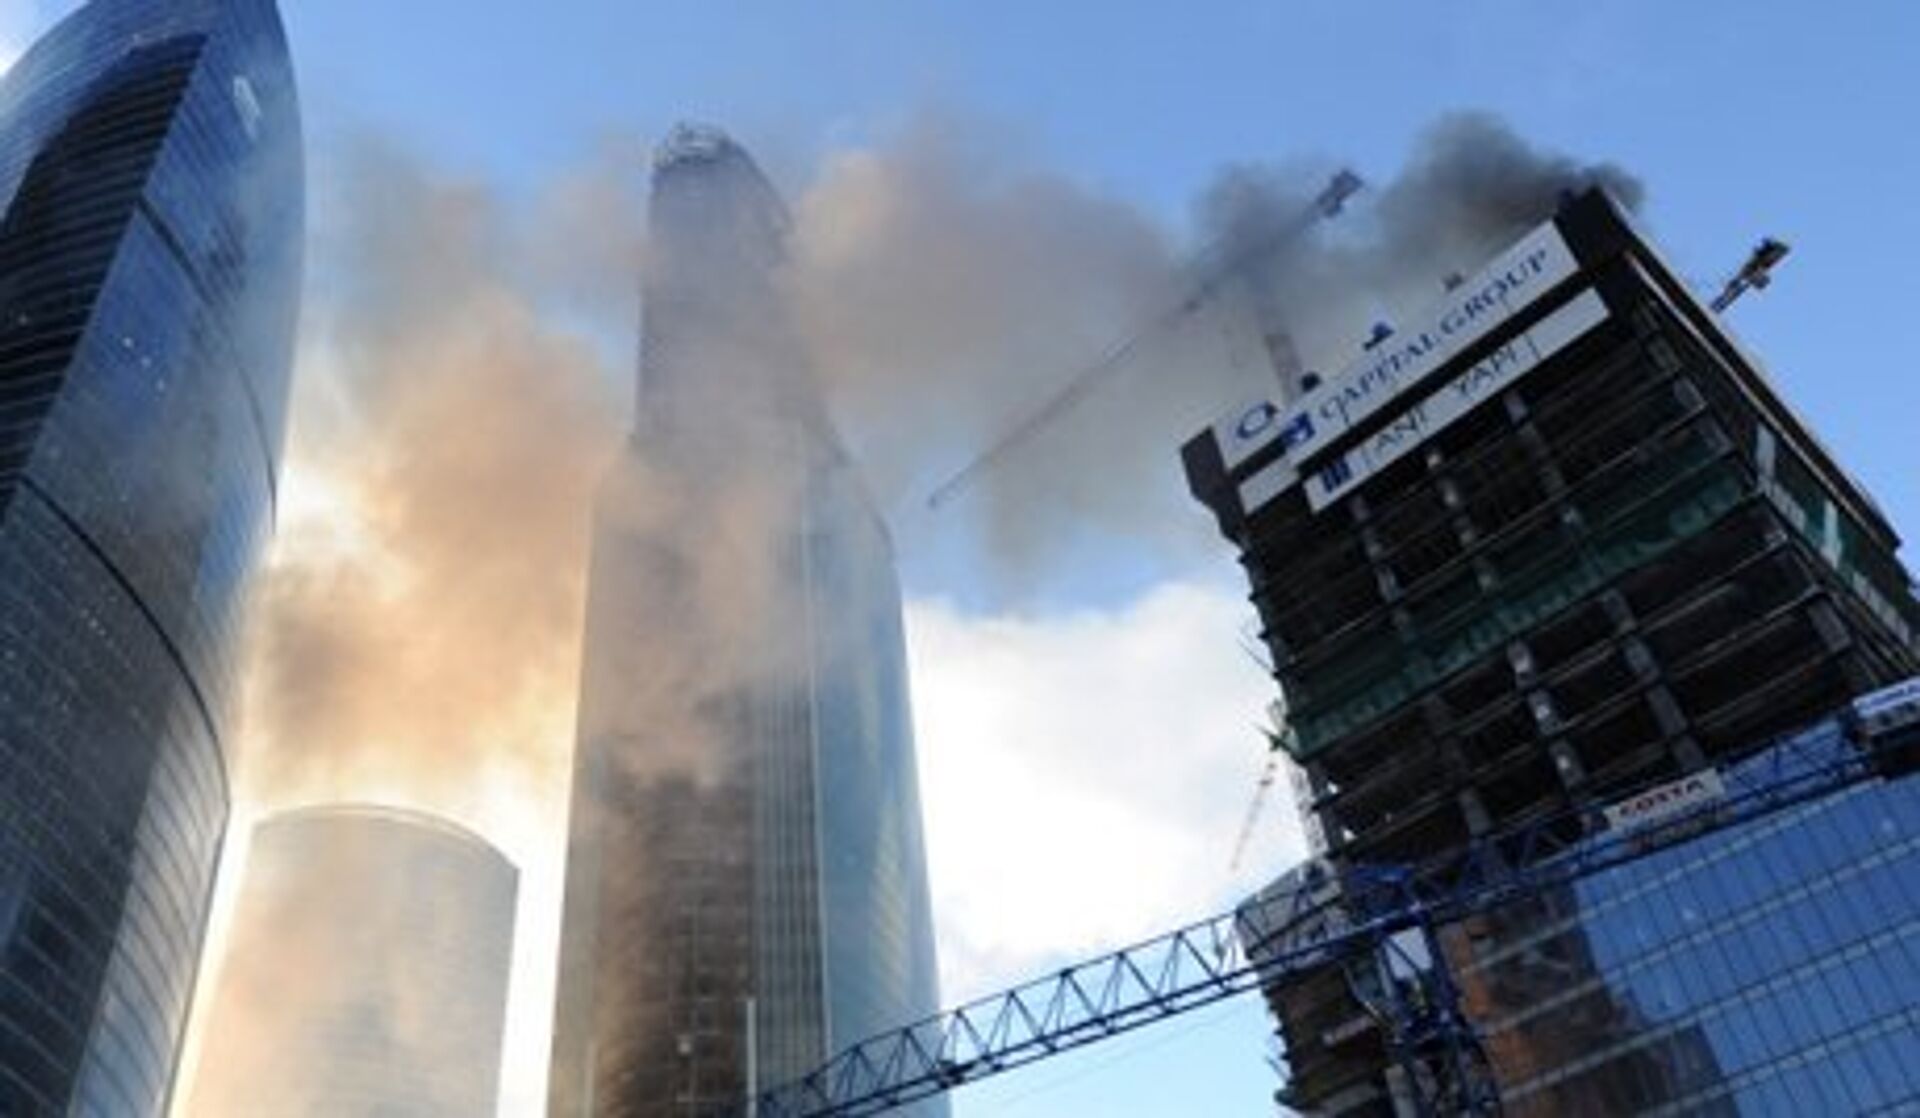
x=1767 y=968
x=365 y=974
x=746 y=883
x=150 y=180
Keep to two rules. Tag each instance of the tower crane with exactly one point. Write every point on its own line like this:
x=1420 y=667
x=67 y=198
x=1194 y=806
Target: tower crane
x=1214 y=269
x=1279 y=739
x=1755 y=274
x=1381 y=919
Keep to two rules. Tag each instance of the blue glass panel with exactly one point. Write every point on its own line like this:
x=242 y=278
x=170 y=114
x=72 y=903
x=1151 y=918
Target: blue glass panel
x=1746 y=952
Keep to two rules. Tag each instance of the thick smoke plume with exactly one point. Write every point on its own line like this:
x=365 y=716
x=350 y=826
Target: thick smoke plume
x=1470 y=186
x=459 y=409
x=463 y=394
x=416 y=633
x=949 y=291
x=421 y=613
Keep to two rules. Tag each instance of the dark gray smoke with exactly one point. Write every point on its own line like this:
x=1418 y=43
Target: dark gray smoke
x=948 y=290
x=1471 y=184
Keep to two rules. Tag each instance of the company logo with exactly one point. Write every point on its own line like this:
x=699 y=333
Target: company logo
x=1296 y=432
x=1255 y=422
x=1335 y=474
x=1246 y=430
x=1668 y=800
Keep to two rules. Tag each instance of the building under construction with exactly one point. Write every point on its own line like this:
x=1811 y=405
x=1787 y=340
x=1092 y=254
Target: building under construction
x=1554 y=542
x=746 y=877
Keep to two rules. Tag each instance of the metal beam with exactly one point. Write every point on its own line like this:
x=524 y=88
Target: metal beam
x=1207 y=961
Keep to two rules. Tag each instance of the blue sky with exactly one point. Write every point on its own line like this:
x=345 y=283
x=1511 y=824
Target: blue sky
x=1741 y=119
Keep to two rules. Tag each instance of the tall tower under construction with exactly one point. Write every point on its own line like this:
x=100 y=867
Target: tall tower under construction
x=1556 y=542
x=746 y=886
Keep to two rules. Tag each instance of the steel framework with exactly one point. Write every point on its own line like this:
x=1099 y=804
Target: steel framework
x=1207 y=961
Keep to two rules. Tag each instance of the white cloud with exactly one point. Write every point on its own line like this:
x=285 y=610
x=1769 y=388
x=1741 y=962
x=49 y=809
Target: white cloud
x=1085 y=777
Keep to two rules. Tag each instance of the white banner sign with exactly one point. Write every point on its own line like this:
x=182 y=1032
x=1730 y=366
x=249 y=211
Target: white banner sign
x=1668 y=800
x=1889 y=707
x=1268 y=482
x=1445 y=406
x=1504 y=288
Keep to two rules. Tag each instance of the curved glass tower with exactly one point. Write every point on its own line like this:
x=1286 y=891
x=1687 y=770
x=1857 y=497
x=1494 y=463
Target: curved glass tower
x=746 y=883
x=366 y=972
x=150 y=181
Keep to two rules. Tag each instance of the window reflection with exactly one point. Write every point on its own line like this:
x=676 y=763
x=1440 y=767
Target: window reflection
x=1769 y=968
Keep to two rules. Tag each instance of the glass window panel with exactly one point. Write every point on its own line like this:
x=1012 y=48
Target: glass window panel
x=1843 y=982
x=1709 y=894
x=1695 y=981
x=1718 y=970
x=1775 y=1039
x=1862 y=1081
x=1800 y=1003
x=1902 y=815
x=1740 y=1043
x=1821 y=845
x=1882 y=982
x=1831 y=916
x=1826 y=1007
x=1896 y=1057
x=1745 y=960
x=1832 y=1077
x=1755 y=1099
x=1850 y=907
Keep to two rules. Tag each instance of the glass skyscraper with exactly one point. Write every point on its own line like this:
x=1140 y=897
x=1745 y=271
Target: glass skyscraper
x=1771 y=967
x=150 y=180
x=366 y=972
x=746 y=884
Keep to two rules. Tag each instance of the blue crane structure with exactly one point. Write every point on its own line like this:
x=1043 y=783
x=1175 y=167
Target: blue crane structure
x=1382 y=916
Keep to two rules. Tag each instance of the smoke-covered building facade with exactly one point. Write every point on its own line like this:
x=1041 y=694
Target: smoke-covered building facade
x=746 y=887
x=150 y=182
x=1555 y=542
x=365 y=972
